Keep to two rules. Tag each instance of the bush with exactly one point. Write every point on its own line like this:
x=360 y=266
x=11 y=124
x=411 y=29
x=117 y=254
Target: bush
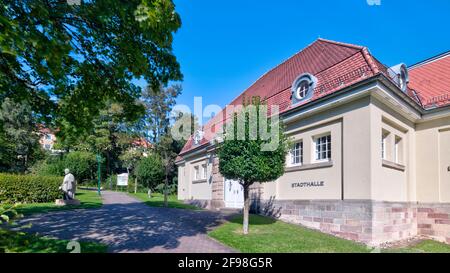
x=53 y=166
x=83 y=165
x=29 y=188
x=150 y=171
x=171 y=189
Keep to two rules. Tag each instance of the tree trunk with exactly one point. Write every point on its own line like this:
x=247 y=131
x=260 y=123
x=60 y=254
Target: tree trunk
x=246 y=208
x=166 y=186
x=135 y=185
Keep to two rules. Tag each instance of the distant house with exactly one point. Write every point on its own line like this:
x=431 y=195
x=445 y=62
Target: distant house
x=47 y=139
x=142 y=143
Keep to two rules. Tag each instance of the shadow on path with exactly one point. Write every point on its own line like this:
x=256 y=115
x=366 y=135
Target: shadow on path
x=127 y=225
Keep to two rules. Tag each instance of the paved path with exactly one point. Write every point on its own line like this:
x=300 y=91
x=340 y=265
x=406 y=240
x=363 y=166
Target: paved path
x=128 y=225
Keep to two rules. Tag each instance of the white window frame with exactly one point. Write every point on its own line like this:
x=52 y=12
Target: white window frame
x=397 y=142
x=196 y=173
x=293 y=156
x=384 y=137
x=328 y=148
x=204 y=171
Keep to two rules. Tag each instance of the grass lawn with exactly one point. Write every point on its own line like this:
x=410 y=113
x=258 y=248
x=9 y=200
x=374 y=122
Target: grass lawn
x=20 y=242
x=157 y=200
x=270 y=236
x=426 y=246
x=88 y=199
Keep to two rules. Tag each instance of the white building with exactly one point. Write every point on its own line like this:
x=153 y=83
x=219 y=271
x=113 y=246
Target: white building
x=371 y=159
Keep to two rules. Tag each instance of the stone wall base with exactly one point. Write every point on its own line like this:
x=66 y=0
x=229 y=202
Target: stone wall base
x=434 y=221
x=203 y=204
x=365 y=221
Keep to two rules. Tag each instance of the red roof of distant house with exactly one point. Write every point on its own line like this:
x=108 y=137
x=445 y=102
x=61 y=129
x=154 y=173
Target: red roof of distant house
x=142 y=142
x=431 y=80
x=335 y=65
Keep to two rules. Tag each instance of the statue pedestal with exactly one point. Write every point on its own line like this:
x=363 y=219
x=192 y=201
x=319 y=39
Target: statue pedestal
x=62 y=202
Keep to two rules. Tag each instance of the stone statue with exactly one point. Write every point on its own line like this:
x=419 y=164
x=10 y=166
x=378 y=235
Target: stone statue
x=68 y=186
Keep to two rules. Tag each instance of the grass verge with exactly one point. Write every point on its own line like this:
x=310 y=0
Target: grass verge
x=20 y=242
x=157 y=200
x=88 y=199
x=271 y=236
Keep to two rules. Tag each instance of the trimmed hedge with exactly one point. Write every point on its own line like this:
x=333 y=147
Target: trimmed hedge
x=29 y=188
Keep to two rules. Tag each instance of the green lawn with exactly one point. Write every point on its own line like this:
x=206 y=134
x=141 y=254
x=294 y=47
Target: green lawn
x=426 y=246
x=20 y=242
x=157 y=200
x=89 y=200
x=270 y=236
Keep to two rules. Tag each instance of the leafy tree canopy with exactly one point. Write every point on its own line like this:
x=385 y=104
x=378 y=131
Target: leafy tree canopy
x=65 y=59
x=150 y=170
x=244 y=159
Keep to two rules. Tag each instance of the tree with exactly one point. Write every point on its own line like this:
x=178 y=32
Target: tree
x=19 y=142
x=159 y=103
x=130 y=158
x=67 y=59
x=247 y=154
x=150 y=170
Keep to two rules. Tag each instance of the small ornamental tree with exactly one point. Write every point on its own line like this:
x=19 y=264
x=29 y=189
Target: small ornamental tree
x=150 y=170
x=254 y=149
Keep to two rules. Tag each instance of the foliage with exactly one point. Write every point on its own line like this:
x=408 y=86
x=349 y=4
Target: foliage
x=19 y=146
x=158 y=103
x=83 y=165
x=171 y=190
x=29 y=188
x=150 y=170
x=8 y=213
x=130 y=158
x=51 y=166
x=243 y=158
x=21 y=242
x=67 y=59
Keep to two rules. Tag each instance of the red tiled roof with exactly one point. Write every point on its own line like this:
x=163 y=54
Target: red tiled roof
x=142 y=143
x=431 y=80
x=335 y=65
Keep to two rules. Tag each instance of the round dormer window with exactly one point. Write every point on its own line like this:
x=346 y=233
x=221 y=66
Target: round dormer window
x=303 y=87
x=198 y=136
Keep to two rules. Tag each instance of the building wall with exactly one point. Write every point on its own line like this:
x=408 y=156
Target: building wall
x=191 y=188
x=348 y=174
x=433 y=160
x=364 y=197
x=392 y=178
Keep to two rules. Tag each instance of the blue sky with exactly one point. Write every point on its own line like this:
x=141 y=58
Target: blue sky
x=225 y=45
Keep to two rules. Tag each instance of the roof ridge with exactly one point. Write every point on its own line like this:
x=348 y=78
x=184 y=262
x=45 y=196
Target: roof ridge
x=430 y=60
x=341 y=44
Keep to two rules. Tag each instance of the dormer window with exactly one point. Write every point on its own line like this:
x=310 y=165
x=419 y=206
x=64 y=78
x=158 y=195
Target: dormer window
x=399 y=74
x=403 y=79
x=303 y=88
x=198 y=136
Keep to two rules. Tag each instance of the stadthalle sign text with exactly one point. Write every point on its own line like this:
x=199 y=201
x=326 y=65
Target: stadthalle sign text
x=311 y=184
